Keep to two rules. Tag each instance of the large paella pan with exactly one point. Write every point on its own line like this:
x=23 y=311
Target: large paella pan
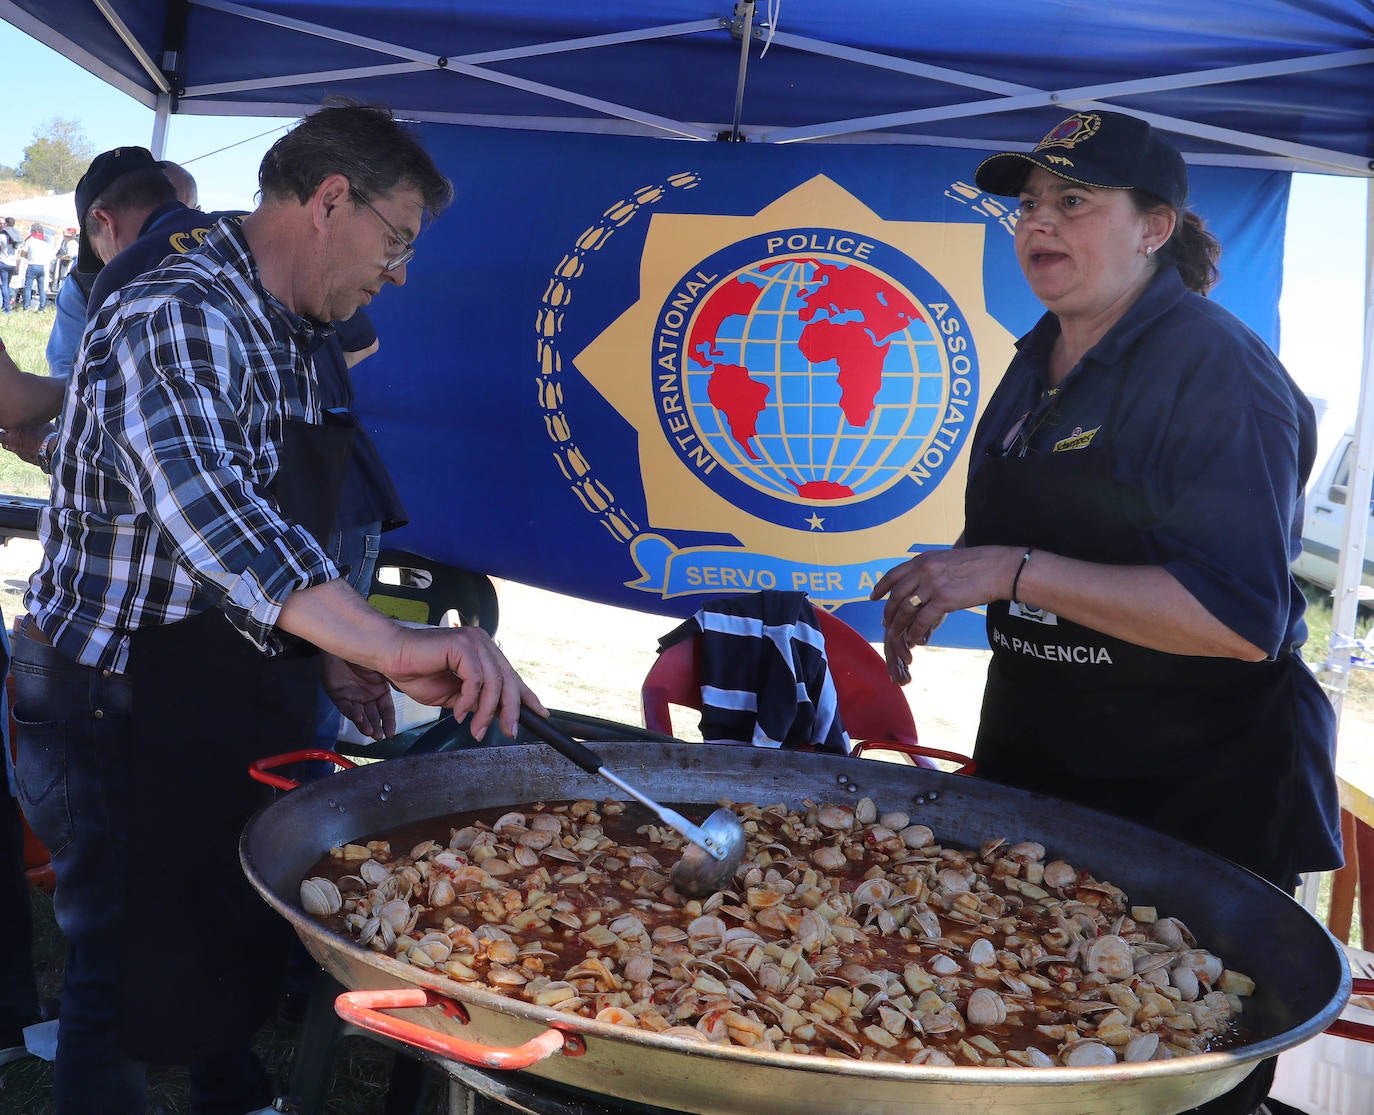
x=1301 y=975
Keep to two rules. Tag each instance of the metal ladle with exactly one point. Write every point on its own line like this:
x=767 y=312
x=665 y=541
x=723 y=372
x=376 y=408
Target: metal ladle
x=717 y=844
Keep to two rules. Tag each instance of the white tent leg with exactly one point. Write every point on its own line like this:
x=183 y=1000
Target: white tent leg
x=1350 y=561
x=1335 y=672
x=162 y=113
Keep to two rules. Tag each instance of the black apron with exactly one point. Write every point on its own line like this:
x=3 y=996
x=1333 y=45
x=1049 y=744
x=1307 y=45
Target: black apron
x=202 y=950
x=1203 y=749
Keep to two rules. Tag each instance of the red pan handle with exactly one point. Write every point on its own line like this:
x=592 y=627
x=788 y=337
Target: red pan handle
x=257 y=770
x=363 y=1009
x=1356 y=1031
x=966 y=765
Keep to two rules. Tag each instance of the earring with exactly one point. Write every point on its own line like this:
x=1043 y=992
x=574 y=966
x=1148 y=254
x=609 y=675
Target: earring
x=1149 y=250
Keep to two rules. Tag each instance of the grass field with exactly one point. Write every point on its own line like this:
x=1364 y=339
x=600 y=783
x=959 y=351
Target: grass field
x=25 y=333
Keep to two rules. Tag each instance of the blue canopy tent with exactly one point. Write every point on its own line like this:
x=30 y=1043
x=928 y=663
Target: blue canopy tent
x=1273 y=83
x=1250 y=91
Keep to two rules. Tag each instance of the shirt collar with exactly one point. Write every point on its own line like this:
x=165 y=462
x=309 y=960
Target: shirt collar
x=166 y=209
x=1164 y=291
x=227 y=241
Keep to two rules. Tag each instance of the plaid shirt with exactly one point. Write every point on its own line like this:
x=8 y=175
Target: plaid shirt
x=168 y=439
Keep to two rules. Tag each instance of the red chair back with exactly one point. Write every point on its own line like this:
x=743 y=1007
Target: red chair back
x=874 y=710
x=872 y=707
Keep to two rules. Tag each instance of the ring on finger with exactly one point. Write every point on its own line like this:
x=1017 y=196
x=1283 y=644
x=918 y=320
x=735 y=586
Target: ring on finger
x=914 y=599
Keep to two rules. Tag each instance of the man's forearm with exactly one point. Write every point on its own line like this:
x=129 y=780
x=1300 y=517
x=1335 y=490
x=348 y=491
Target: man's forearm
x=336 y=619
x=27 y=399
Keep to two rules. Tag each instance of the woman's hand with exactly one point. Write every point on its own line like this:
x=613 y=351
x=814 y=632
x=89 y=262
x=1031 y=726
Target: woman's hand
x=1142 y=604
x=922 y=591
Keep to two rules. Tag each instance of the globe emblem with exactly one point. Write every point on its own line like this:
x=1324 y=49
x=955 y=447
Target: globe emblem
x=815 y=379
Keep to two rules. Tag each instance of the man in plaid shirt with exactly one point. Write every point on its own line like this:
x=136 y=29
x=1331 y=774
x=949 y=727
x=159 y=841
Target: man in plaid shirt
x=173 y=623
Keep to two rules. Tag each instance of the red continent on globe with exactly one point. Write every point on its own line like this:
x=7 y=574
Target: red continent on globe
x=875 y=312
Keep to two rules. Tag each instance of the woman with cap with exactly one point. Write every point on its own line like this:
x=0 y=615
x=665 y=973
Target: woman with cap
x=1134 y=499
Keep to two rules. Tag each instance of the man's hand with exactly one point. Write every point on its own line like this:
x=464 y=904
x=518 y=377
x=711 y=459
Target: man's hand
x=25 y=441
x=462 y=669
x=363 y=696
x=458 y=668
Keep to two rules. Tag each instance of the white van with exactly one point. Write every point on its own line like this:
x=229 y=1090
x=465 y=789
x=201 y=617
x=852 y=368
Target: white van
x=1323 y=525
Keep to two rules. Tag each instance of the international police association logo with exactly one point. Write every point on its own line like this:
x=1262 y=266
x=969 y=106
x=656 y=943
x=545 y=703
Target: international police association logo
x=810 y=367
x=801 y=386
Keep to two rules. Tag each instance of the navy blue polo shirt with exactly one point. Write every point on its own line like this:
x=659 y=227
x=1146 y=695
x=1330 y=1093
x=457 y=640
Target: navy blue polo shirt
x=1206 y=424
x=169 y=230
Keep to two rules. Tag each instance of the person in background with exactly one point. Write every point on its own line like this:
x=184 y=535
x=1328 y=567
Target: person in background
x=188 y=193
x=129 y=208
x=182 y=587
x=369 y=503
x=37 y=252
x=114 y=198
x=67 y=248
x=1134 y=499
x=9 y=259
x=69 y=319
x=21 y=396
x=171 y=227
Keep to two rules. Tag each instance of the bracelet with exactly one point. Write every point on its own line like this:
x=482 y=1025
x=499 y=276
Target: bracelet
x=1016 y=581
x=45 y=448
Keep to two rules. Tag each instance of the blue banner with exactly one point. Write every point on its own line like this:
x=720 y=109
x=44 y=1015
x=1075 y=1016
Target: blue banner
x=649 y=372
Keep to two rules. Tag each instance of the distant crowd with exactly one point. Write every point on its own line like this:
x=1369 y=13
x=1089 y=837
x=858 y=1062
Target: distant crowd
x=33 y=264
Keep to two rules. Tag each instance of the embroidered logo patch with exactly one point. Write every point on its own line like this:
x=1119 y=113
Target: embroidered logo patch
x=1079 y=439
x=1034 y=615
x=1073 y=131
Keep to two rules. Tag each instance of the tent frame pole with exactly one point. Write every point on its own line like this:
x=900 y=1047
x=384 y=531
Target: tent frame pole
x=162 y=114
x=1350 y=561
x=743 y=26
x=127 y=37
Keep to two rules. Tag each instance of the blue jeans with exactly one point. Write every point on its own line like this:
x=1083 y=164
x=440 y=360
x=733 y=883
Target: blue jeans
x=36 y=273
x=73 y=775
x=18 y=983
x=6 y=272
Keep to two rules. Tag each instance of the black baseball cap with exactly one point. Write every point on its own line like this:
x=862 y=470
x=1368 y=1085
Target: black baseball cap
x=1106 y=149
x=105 y=168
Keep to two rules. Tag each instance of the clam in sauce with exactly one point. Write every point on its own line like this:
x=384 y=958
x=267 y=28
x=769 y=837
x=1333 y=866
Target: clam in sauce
x=844 y=933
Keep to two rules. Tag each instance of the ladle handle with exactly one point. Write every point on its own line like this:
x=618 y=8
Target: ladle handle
x=590 y=761
x=564 y=744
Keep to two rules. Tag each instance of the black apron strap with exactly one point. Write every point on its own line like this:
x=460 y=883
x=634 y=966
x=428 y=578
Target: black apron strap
x=311 y=464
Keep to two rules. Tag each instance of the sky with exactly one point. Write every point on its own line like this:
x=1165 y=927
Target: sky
x=1322 y=307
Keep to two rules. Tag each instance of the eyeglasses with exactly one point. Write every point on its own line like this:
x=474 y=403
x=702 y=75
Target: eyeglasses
x=1018 y=441
x=407 y=252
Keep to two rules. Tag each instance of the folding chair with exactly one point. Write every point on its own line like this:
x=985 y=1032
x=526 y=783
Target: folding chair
x=418 y=589
x=874 y=710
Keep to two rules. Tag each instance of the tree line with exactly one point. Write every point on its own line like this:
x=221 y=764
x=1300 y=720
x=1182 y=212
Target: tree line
x=53 y=162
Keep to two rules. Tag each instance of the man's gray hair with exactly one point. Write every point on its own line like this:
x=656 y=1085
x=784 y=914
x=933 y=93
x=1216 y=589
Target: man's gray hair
x=365 y=143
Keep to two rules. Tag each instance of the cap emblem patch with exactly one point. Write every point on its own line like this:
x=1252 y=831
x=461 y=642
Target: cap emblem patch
x=1073 y=131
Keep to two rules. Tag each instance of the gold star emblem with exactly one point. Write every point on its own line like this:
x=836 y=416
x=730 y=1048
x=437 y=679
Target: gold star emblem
x=676 y=497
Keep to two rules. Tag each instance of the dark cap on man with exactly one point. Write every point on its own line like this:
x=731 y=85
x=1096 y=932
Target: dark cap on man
x=1109 y=150
x=104 y=170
